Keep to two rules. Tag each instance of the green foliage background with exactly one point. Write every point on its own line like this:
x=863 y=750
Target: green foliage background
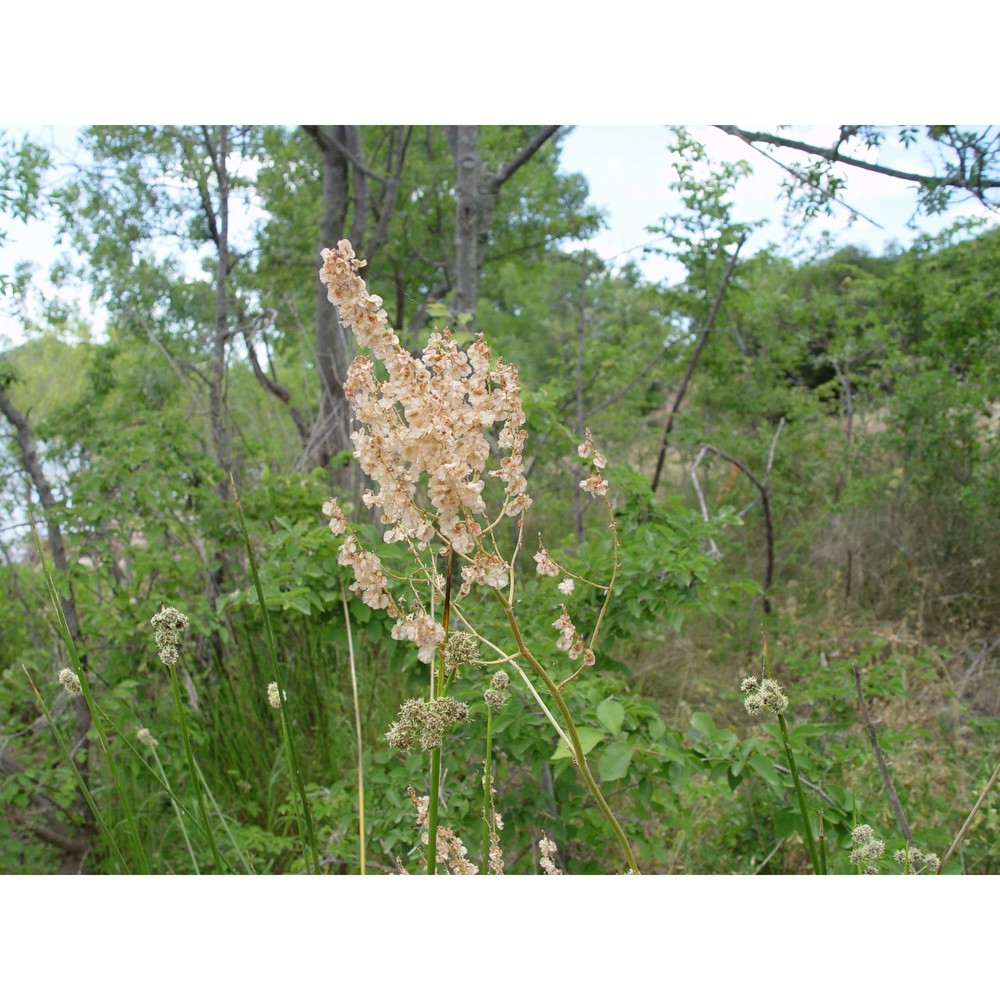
x=863 y=390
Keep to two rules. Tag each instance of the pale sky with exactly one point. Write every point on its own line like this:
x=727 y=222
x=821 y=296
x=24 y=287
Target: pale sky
x=629 y=172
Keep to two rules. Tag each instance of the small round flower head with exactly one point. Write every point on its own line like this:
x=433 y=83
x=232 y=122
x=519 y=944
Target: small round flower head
x=763 y=696
x=774 y=700
x=147 y=739
x=272 y=695
x=500 y=680
x=931 y=862
x=872 y=870
x=495 y=699
x=168 y=624
x=866 y=847
x=566 y=586
x=70 y=681
x=412 y=716
x=460 y=649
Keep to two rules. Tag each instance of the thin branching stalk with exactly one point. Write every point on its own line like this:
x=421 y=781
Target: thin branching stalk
x=578 y=756
x=303 y=815
x=357 y=730
x=511 y=659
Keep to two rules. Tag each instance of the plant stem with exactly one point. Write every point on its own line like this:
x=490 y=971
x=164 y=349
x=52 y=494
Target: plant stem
x=487 y=797
x=437 y=689
x=67 y=637
x=357 y=730
x=88 y=798
x=969 y=819
x=299 y=801
x=579 y=757
x=192 y=769
x=817 y=864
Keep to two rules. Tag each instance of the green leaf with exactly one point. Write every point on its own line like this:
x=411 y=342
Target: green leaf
x=612 y=715
x=614 y=761
x=589 y=738
x=764 y=766
x=702 y=723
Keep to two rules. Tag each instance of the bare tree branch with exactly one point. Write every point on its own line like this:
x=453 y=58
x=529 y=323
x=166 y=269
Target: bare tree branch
x=692 y=364
x=964 y=179
x=883 y=768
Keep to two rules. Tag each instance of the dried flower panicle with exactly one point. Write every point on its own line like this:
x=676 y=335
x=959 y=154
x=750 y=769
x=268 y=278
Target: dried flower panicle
x=763 y=696
x=168 y=626
x=70 y=681
x=570 y=640
x=547 y=850
x=545 y=565
x=595 y=485
x=147 y=739
x=426 y=421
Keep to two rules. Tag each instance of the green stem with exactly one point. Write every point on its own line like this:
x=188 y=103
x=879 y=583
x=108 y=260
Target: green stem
x=192 y=769
x=85 y=791
x=67 y=637
x=432 y=811
x=301 y=805
x=437 y=690
x=179 y=814
x=579 y=757
x=487 y=798
x=817 y=864
x=357 y=730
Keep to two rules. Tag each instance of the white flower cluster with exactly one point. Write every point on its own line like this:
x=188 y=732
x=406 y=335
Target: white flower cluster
x=763 y=696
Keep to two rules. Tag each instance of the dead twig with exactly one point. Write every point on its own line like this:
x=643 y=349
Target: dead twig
x=890 y=789
x=972 y=815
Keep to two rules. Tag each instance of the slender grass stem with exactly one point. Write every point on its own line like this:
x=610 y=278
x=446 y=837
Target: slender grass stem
x=303 y=815
x=179 y=813
x=102 y=824
x=192 y=768
x=102 y=736
x=956 y=843
x=357 y=731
